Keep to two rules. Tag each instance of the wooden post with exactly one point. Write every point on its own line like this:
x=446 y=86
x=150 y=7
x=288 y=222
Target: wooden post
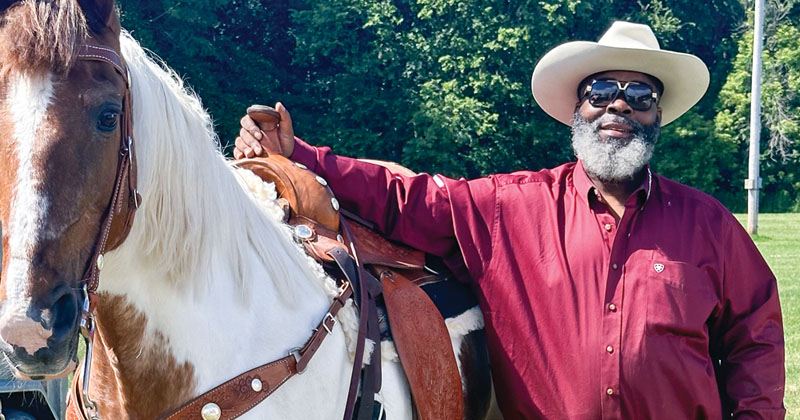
x=753 y=182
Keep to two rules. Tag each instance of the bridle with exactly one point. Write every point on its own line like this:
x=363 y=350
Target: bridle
x=249 y=388
x=119 y=216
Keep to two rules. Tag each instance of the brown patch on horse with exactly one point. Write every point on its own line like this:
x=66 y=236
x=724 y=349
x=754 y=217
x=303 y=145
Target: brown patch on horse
x=8 y=178
x=128 y=382
x=41 y=36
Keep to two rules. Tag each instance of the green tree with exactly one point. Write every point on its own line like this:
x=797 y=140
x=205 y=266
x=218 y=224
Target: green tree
x=229 y=51
x=443 y=85
x=780 y=136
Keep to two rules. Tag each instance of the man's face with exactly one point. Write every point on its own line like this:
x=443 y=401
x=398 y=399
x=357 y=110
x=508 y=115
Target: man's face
x=614 y=140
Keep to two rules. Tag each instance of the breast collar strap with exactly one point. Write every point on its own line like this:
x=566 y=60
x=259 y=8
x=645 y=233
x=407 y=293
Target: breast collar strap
x=241 y=393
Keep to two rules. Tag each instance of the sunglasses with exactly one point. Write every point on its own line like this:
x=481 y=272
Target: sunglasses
x=639 y=96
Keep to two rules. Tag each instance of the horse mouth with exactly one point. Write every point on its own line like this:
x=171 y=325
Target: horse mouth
x=41 y=368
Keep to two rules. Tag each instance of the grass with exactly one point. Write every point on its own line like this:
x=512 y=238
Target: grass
x=778 y=240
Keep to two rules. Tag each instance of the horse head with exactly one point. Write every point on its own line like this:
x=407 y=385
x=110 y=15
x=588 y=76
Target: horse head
x=61 y=121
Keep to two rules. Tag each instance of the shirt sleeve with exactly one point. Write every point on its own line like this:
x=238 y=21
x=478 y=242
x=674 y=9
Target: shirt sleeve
x=750 y=332
x=441 y=216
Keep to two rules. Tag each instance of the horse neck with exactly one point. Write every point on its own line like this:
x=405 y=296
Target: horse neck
x=204 y=273
x=131 y=380
x=186 y=331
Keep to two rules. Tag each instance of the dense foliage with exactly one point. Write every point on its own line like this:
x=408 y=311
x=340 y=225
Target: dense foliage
x=443 y=85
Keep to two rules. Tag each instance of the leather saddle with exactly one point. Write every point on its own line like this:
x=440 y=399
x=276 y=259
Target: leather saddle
x=393 y=274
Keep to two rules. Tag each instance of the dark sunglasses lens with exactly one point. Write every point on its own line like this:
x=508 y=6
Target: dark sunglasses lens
x=639 y=96
x=602 y=93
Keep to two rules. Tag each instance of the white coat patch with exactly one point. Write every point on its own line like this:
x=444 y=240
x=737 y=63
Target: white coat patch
x=29 y=100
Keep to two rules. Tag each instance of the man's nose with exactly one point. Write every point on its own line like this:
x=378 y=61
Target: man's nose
x=619 y=106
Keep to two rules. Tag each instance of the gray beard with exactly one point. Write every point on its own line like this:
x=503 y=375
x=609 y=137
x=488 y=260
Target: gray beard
x=613 y=159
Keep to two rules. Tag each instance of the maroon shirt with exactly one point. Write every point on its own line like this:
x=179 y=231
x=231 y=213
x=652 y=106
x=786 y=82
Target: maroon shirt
x=587 y=317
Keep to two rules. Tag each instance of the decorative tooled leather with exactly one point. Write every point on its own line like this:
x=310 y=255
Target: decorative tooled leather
x=73 y=408
x=310 y=204
x=300 y=187
x=425 y=353
x=377 y=250
x=237 y=396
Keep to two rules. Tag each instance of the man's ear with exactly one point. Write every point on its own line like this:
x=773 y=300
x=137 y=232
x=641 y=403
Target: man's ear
x=659 y=113
x=98 y=13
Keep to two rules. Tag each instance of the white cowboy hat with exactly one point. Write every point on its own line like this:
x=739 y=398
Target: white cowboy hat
x=625 y=46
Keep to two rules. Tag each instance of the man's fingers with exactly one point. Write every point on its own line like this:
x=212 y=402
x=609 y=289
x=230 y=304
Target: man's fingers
x=247 y=145
x=248 y=124
x=249 y=141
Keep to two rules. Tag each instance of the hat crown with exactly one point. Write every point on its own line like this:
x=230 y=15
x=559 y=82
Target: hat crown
x=625 y=47
x=629 y=35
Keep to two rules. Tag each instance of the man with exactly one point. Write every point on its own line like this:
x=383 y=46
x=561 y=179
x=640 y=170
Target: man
x=608 y=291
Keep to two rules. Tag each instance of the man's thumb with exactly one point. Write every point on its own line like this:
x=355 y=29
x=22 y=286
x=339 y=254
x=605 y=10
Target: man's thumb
x=286 y=119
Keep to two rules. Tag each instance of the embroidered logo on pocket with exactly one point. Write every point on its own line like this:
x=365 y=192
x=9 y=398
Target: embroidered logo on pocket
x=658 y=267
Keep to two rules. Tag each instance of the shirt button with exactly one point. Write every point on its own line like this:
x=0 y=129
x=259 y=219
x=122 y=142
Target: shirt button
x=608 y=227
x=610 y=391
x=614 y=266
x=610 y=349
x=612 y=307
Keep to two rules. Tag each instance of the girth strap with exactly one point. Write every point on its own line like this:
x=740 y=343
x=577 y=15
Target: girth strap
x=369 y=288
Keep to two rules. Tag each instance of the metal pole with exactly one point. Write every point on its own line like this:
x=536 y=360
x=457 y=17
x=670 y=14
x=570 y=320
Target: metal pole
x=753 y=183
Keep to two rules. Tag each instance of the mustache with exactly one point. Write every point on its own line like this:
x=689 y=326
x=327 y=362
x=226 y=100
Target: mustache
x=636 y=126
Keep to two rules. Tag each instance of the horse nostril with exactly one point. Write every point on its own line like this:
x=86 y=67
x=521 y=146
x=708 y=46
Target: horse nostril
x=63 y=314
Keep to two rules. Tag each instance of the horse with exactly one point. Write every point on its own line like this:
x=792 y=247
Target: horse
x=204 y=283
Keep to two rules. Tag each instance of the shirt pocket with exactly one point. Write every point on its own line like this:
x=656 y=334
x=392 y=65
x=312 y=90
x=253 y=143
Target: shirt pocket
x=680 y=299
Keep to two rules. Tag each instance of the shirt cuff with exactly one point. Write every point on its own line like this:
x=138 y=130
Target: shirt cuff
x=304 y=153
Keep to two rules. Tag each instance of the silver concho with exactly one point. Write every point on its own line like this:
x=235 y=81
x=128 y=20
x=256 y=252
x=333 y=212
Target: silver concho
x=211 y=411
x=303 y=232
x=256 y=385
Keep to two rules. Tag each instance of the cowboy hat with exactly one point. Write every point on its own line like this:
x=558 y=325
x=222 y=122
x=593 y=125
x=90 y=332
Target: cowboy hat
x=625 y=46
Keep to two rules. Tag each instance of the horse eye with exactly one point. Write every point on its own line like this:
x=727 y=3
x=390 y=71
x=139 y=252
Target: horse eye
x=108 y=121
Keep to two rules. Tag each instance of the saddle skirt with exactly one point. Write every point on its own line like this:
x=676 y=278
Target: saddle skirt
x=426 y=354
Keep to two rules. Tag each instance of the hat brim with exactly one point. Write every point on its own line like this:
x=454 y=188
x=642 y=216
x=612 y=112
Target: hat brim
x=556 y=77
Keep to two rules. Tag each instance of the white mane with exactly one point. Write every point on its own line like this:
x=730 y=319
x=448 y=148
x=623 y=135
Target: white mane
x=195 y=218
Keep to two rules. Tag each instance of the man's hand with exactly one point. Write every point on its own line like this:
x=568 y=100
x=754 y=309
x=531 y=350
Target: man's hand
x=255 y=141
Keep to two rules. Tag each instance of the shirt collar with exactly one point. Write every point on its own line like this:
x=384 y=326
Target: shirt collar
x=585 y=187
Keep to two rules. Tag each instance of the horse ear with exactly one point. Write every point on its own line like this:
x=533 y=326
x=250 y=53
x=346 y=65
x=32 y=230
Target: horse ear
x=98 y=13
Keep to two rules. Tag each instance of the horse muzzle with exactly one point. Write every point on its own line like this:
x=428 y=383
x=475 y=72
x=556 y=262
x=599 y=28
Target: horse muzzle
x=39 y=340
